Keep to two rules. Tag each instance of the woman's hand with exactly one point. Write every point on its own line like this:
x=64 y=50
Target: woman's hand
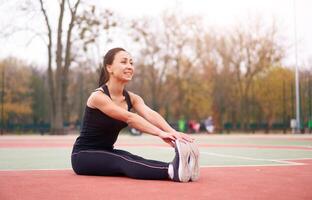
x=170 y=137
x=183 y=136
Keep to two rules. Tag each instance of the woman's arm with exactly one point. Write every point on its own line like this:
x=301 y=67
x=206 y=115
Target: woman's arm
x=106 y=105
x=152 y=116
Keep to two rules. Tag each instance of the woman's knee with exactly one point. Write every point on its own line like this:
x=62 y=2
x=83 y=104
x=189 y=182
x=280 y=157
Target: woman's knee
x=75 y=164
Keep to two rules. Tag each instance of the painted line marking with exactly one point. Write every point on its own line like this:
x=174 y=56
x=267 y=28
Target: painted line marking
x=22 y=170
x=267 y=165
x=307 y=146
x=250 y=158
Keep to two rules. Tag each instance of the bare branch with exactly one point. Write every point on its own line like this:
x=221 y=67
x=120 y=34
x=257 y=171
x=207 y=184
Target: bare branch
x=36 y=35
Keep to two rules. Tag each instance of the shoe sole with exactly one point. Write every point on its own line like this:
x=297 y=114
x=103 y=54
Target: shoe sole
x=184 y=153
x=194 y=161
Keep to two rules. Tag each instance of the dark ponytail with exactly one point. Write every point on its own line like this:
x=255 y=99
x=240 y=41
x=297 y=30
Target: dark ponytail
x=108 y=60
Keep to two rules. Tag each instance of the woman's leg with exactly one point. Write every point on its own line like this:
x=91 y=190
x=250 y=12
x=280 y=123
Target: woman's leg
x=118 y=162
x=161 y=163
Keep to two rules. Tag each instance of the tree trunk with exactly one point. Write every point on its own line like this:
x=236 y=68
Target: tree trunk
x=50 y=71
x=67 y=60
x=57 y=127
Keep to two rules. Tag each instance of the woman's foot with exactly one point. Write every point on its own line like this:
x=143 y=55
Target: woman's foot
x=194 y=161
x=180 y=163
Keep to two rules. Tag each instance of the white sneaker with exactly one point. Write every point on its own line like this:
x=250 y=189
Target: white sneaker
x=180 y=163
x=194 y=161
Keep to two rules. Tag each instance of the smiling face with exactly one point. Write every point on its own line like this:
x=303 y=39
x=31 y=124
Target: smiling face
x=122 y=67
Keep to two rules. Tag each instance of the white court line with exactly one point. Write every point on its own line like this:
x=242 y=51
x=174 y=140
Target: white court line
x=255 y=159
x=306 y=146
x=295 y=159
x=265 y=165
x=22 y=170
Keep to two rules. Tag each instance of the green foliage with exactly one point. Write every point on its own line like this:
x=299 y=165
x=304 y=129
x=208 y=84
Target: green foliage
x=39 y=96
x=273 y=94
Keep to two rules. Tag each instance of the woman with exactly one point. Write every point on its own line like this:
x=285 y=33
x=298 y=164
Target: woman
x=108 y=111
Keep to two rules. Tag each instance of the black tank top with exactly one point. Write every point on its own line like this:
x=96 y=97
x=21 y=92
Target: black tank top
x=98 y=130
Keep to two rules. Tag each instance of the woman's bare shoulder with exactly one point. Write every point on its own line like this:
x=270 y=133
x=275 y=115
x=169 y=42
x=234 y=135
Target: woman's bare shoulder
x=97 y=97
x=135 y=98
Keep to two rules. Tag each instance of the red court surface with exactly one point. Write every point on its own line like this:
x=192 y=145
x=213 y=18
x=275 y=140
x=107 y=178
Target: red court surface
x=226 y=183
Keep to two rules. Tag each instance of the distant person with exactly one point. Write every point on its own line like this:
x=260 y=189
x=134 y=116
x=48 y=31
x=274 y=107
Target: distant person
x=194 y=126
x=182 y=124
x=209 y=125
x=108 y=111
x=310 y=126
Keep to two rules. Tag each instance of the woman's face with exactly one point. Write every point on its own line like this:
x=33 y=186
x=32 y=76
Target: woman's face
x=122 y=67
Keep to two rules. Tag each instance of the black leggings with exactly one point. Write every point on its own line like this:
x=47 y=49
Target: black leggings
x=117 y=163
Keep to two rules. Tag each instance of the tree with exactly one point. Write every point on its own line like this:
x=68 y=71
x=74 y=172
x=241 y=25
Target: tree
x=39 y=97
x=81 y=84
x=87 y=26
x=169 y=64
x=248 y=51
x=273 y=95
x=17 y=98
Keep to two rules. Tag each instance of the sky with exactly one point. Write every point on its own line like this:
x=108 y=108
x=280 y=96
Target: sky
x=218 y=13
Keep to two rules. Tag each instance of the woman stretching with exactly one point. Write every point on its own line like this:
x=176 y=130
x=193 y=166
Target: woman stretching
x=108 y=111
